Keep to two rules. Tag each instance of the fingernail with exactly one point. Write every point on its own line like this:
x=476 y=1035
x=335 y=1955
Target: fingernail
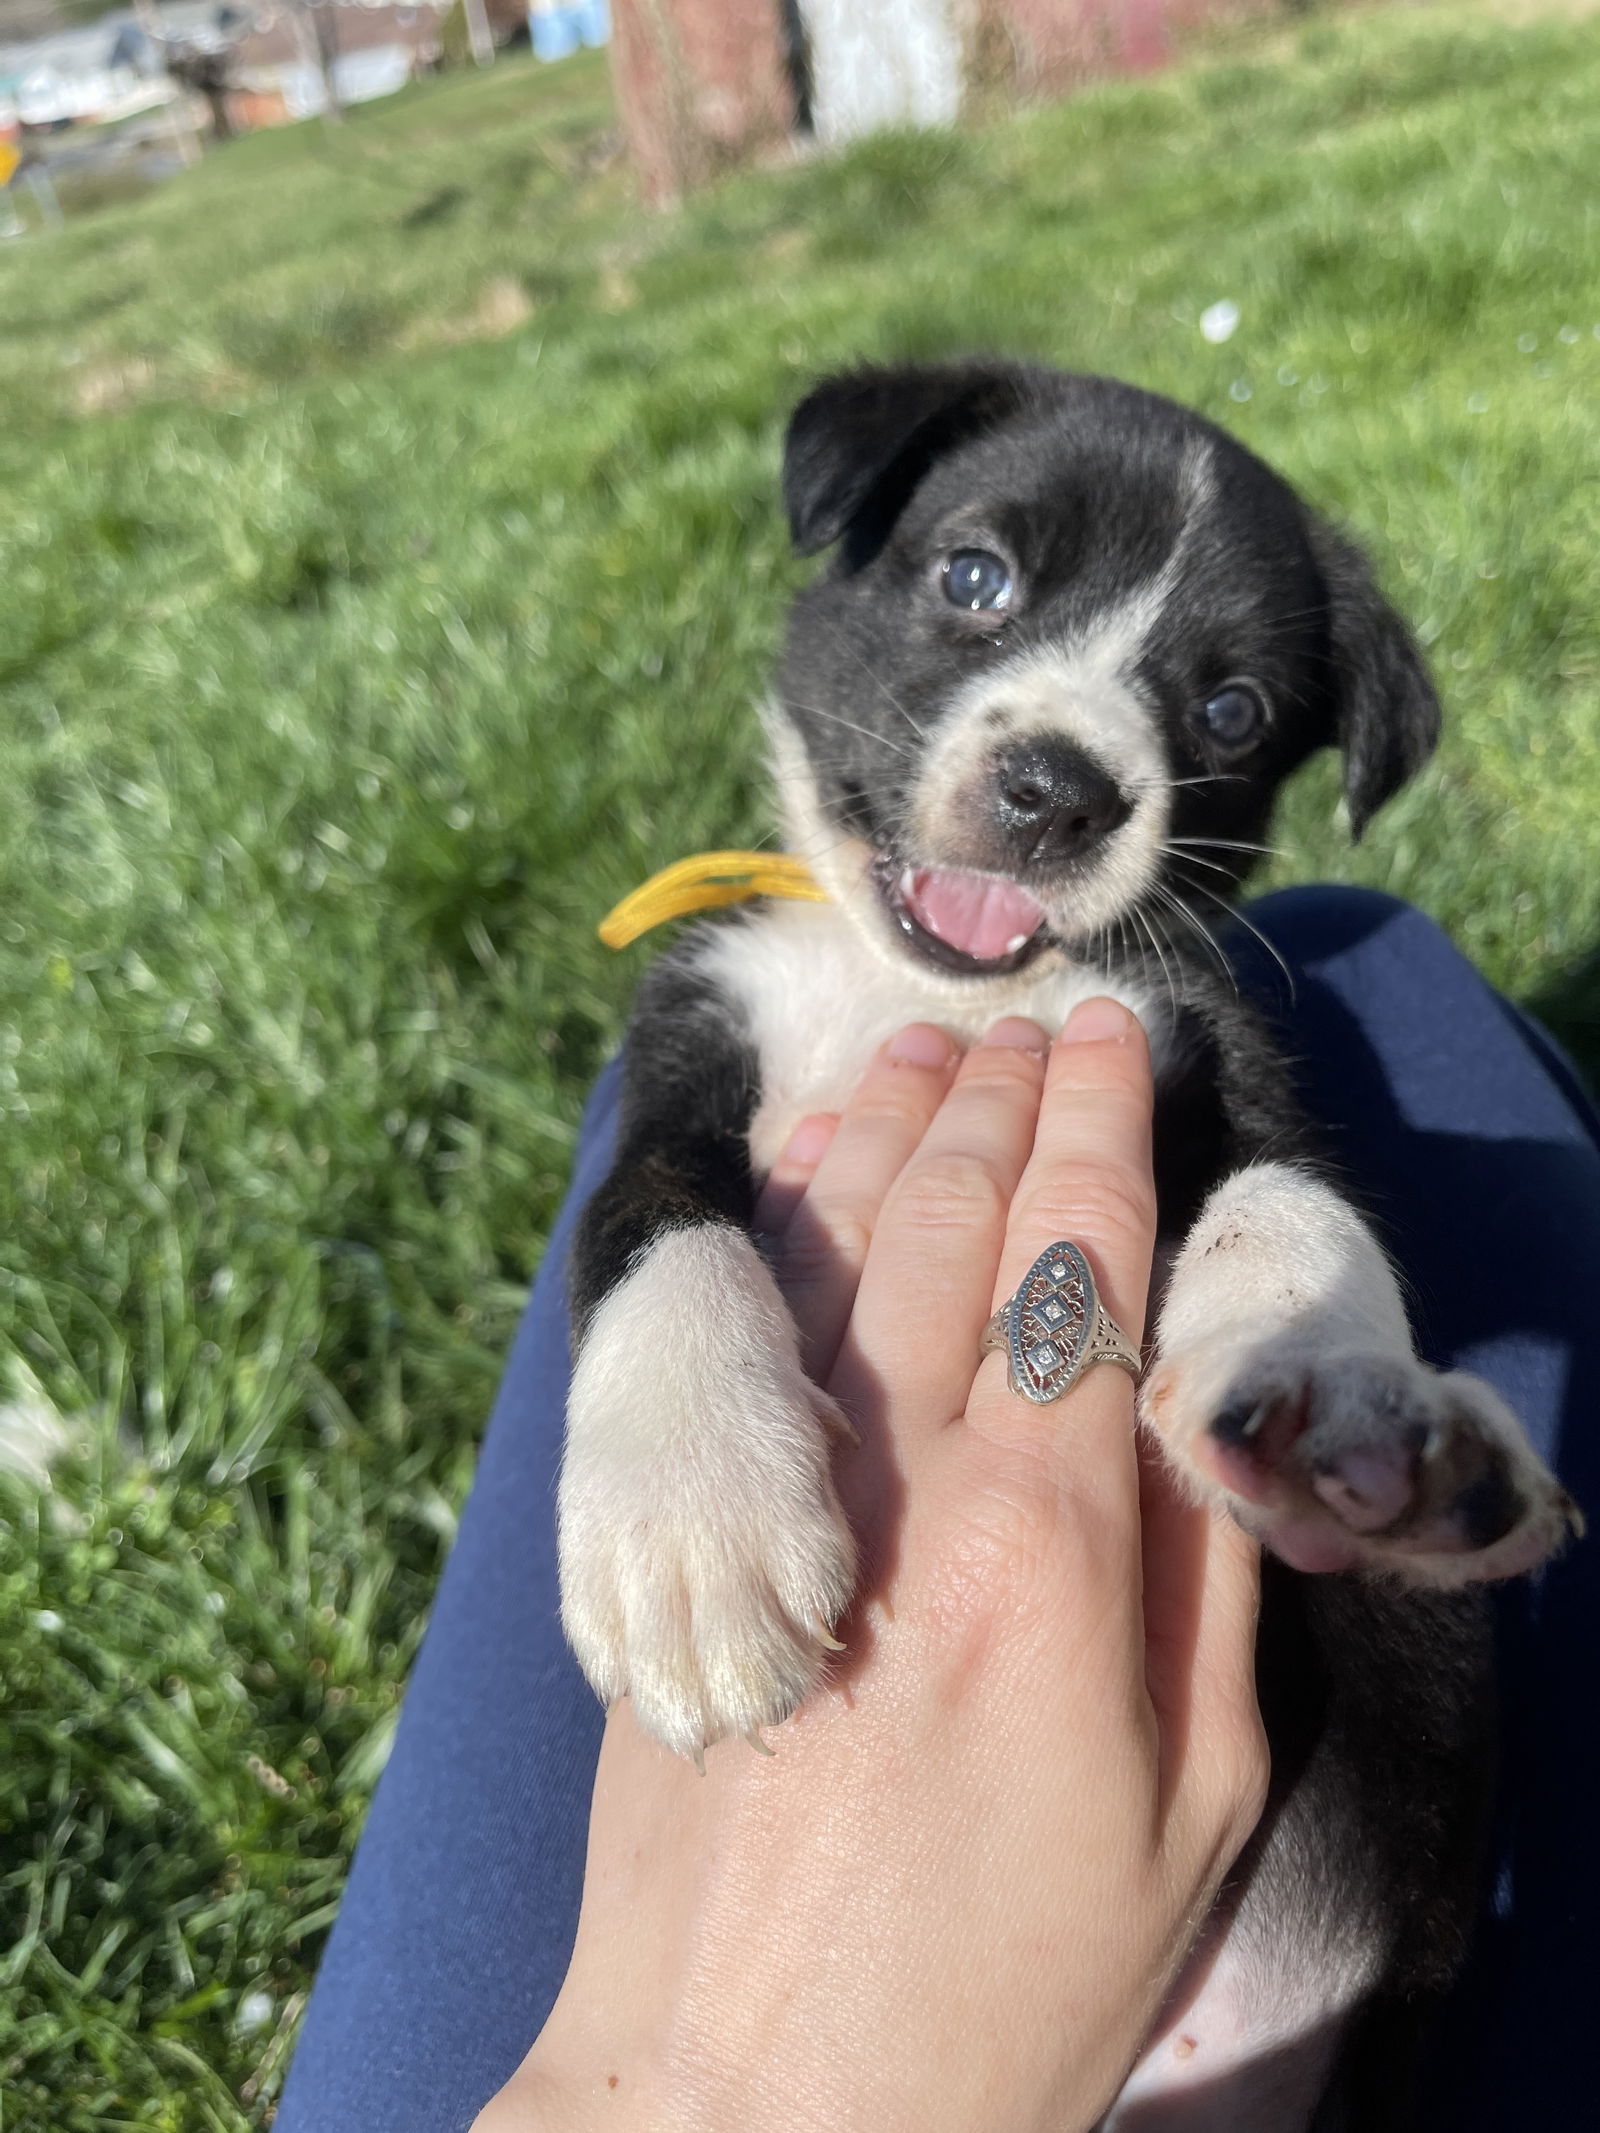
x=1098 y=1022
x=922 y=1045
x=809 y=1141
x=1015 y=1033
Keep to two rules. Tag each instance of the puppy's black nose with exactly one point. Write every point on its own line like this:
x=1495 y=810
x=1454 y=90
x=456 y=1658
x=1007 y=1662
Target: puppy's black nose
x=1055 y=802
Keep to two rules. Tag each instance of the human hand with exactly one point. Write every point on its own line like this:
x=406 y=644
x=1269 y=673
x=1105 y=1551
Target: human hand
x=957 y=1893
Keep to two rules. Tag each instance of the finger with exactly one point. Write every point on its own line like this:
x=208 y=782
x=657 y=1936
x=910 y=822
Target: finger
x=821 y=1252
x=1225 y=1648
x=1219 y=1760
x=1090 y=1178
x=792 y=1172
x=1199 y=1590
x=1202 y=1594
x=925 y=1289
x=1088 y=1182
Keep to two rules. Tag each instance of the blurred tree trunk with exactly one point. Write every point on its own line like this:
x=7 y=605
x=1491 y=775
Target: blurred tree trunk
x=479 y=36
x=701 y=85
x=316 y=31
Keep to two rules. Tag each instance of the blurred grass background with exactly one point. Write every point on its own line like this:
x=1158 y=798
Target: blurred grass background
x=390 y=553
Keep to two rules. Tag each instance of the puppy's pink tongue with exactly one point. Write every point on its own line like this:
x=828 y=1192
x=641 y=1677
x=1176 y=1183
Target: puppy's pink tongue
x=981 y=915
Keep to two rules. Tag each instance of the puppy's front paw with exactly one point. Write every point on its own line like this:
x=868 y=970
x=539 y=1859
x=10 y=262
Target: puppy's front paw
x=1339 y=1460
x=704 y=1557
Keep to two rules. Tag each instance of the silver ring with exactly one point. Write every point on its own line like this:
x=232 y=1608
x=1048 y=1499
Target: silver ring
x=1055 y=1328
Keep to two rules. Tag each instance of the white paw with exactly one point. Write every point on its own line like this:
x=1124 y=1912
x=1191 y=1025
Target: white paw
x=1340 y=1458
x=704 y=1557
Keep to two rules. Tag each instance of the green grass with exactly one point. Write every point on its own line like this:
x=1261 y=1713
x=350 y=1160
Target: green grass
x=354 y=659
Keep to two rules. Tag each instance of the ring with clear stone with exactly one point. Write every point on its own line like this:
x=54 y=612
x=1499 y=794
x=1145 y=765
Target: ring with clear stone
x=1055 y=1327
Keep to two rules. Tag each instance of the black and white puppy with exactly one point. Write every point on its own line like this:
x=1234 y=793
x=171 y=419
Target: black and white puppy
x=1072 y=639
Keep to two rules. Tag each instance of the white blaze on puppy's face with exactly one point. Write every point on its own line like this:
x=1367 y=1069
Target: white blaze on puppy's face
x=1084 y=689
x=1082 y=692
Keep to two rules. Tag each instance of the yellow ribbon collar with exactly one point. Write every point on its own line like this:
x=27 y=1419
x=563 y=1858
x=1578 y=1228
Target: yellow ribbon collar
x=706 y=882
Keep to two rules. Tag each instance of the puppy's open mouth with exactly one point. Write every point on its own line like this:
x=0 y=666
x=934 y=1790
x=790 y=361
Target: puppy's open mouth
x=980 y=924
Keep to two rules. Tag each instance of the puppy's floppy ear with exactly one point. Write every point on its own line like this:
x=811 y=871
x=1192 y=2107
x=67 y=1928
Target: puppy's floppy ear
x=1386 y=713
x=859 y=444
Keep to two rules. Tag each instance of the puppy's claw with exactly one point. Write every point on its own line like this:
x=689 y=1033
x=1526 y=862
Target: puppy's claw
x=754 y=1740
x=820 y=1633
x=1245 y=1421
x=699 y=1758
x=838 y=1425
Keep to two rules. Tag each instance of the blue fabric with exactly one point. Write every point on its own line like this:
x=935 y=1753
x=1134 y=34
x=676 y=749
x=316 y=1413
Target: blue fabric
x=1474 y=1144
x=1470 y=1137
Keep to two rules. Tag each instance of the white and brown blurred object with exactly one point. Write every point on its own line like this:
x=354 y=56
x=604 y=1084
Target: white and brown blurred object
x=704 y=84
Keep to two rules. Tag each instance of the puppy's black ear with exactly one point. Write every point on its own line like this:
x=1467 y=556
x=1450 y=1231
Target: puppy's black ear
x=859 y=444
x=1386 y=712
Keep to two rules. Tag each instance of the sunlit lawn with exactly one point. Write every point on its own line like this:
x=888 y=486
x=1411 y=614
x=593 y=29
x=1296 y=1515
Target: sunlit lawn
x=388 y=557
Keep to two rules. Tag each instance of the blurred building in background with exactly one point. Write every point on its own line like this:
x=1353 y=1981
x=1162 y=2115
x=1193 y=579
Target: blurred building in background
x=282 y=56
x=702 y=84
x=90 y=71
x=361 y=51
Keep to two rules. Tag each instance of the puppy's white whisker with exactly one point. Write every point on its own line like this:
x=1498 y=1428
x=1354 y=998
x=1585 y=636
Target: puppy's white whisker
x=1209 y=777
x=1255 y=931
x=1166 y=936
x=1149 y=930
x=1192 y=859
x=815 y=847
x=1230 y=844
x=884 y=689
x=1192 y=918
x=880 y=740
x=1162 y=942
x=833 y=766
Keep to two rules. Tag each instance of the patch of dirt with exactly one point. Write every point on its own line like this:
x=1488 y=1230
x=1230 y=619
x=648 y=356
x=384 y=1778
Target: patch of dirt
x=503 y=305
x=108 y=388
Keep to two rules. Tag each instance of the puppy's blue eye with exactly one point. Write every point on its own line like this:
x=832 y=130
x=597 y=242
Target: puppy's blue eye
x=973 y=578
x=1236 y=716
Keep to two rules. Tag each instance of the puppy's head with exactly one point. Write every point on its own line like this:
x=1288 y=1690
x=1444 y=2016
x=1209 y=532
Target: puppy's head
x=1072 y=639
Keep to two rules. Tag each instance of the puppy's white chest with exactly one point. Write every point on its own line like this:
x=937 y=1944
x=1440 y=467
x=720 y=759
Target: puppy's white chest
x=819 y=1002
